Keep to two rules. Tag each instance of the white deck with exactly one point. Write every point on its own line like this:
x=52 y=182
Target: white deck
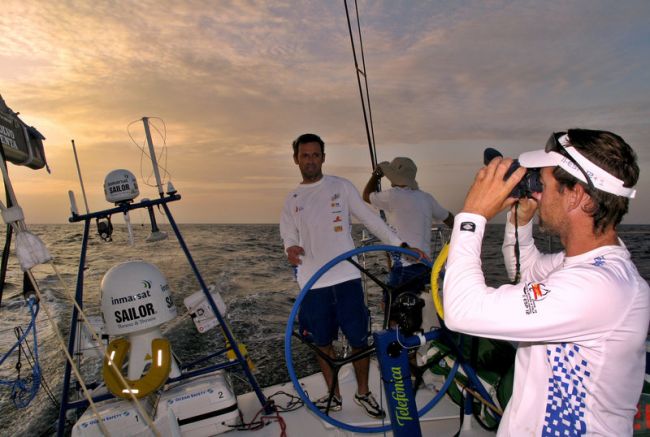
x=442 y=420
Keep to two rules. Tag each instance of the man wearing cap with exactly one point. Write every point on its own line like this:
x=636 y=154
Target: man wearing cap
x=410 y=212
x=315 y=227
x=581 y=315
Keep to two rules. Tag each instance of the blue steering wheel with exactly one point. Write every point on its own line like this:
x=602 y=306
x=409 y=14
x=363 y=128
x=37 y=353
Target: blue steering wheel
x=289 y=333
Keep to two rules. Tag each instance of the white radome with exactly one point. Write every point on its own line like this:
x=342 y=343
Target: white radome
x=135 y=297
x=120 y=186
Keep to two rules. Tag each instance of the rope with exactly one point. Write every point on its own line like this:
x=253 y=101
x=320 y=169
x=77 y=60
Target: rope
x=59 y=337
x=31 y=363
x=294 y=403
x=24 y=390
x=367 y=116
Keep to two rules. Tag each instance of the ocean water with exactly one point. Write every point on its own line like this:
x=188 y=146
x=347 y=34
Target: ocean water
x=244 y=262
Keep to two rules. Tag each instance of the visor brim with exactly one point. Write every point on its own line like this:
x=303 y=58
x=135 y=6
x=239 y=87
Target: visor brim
x=540 y=158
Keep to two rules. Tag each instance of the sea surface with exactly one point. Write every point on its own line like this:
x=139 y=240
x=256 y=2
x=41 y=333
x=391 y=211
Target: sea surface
x=244 y=262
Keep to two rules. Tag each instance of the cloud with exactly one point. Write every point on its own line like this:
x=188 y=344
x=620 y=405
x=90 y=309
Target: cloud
x=235 y=82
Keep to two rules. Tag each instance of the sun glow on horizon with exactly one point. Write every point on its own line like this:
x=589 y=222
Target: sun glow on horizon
x=237 y=81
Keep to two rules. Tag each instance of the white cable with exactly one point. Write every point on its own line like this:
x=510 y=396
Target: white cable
x=163 y=152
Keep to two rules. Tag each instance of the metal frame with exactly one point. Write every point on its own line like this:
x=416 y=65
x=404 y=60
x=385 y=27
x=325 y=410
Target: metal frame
x=240 y=360
x=392 y=354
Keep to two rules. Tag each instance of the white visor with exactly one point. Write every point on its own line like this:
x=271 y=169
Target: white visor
x=599 y=177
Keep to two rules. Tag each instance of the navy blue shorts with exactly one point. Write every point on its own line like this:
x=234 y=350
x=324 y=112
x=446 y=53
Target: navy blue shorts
x=324 y=310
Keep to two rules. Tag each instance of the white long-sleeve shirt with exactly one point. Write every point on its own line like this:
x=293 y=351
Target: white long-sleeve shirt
x=411 y=214
x=581 y=322
x=317 y=217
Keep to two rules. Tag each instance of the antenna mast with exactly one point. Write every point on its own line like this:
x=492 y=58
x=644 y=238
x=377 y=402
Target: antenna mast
x=81 y=181
x=152 y=155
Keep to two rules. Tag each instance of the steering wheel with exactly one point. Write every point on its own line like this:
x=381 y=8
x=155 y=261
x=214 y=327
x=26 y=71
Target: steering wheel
x=336 y=364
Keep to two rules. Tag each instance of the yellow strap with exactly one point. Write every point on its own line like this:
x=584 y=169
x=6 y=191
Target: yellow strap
x=230 y=354
x=435 y=274
x=151 y=381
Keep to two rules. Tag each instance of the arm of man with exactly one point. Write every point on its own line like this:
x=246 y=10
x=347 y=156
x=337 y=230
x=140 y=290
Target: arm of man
x=290 y=235
x=367 y=216
x=293 y=255
x=544 y=310
x=489 y=193
x=534 y=311
x=372 y=184
x=440 y=213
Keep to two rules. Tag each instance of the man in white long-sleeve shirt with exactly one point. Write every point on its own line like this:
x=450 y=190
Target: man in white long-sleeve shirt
x=315 y=227
x=411 y=212
x=580 y=316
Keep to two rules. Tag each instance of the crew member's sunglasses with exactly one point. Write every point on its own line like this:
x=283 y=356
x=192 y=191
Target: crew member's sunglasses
x=553 y=145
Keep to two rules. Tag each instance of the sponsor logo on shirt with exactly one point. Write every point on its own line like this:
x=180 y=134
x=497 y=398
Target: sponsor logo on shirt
x=338 y=228
x=534 y=292
x=299 y=208
x=336 y=196
x=599 y=261
x=468 y=226
x=335 y=205
x=337 y=219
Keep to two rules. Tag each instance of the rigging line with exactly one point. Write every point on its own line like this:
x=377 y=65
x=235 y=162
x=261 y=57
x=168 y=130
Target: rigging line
x=371 y=145
x=97 y=339
x=24 y=390
x=365 y=78
x=71 y=360
x=21 y=338
x=47 y=389
x=367 y=116
x=74 y=368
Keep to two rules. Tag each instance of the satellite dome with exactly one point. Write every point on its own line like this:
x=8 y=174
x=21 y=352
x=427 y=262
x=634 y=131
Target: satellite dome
x=135 y=297
x=120 y=186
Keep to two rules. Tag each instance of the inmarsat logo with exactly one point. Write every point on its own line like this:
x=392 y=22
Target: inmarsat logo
x=146 y=285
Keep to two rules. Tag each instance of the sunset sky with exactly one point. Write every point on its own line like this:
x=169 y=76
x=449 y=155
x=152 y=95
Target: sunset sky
x=234 y=82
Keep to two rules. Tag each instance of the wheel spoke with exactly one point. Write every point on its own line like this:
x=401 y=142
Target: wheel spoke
x=337 y=363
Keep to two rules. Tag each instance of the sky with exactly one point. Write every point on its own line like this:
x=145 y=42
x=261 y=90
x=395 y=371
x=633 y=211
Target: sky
x=229 y=84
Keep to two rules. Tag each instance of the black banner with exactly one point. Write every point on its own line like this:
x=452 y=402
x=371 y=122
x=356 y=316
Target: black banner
x=22 y=144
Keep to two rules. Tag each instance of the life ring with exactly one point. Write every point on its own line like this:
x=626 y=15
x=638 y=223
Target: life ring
x=435 y=274
x=151 y=381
